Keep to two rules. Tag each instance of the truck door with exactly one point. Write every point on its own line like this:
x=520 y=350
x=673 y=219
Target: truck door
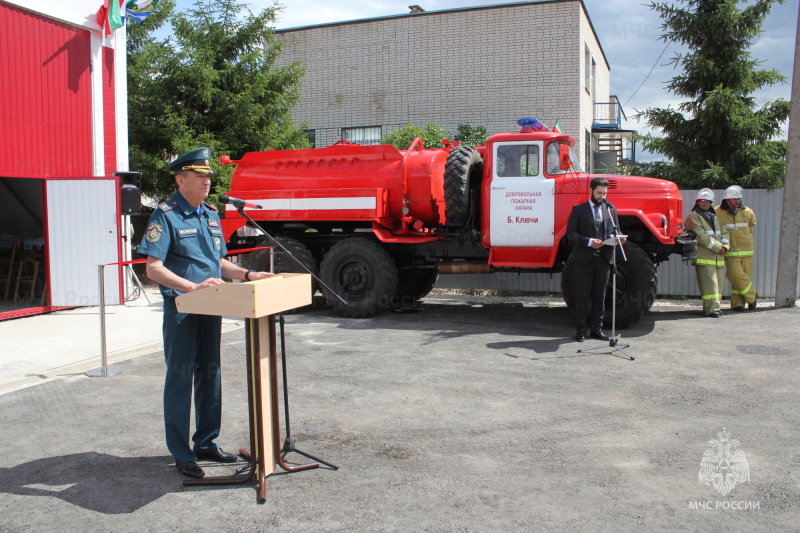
x=522 y=203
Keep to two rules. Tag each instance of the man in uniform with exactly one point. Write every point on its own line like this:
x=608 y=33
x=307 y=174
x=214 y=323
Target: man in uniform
x=712 y=243
x=739 y=220
x=185 y=252
x=590 y=223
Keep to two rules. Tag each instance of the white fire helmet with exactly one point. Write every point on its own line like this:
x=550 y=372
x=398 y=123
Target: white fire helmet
x=732 y=192
x=705 y=194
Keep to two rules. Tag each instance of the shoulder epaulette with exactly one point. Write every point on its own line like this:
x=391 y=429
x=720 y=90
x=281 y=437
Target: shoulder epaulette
x=211 y=206
x=169 y=205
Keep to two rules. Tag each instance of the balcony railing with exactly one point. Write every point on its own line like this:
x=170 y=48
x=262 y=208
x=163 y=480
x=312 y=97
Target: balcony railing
x=607 y=115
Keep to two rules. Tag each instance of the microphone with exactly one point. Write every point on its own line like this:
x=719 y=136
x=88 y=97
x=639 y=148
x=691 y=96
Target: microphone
x=604 y=199
x=237 y=203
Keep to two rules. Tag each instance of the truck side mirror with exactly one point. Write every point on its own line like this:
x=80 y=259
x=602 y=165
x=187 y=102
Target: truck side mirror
x=563 y=156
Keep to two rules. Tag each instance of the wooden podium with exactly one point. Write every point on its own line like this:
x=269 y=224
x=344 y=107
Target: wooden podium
x=257 y=302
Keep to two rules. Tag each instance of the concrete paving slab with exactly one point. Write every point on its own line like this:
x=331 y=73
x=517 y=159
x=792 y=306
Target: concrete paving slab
x=41 y=348
x=471 y=415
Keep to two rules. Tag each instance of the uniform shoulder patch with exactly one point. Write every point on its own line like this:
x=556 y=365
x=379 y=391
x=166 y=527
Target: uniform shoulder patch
x=167 y=206
x=211 y=206
x=153 y=232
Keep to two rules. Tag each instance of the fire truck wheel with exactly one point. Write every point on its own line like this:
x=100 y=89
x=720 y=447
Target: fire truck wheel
x=259 y=260
x=463 y=164
x=636 y=287
x=411 y=286
x=362 y=272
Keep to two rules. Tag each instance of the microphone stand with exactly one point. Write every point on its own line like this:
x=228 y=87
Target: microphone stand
x=288 y=443
x=613 y=342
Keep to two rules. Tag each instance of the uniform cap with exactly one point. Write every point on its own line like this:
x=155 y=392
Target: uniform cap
x=196 y=160
x=734 y=191
x=705 y=194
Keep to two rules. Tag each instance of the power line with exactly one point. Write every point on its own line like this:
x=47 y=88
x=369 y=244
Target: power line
x=648 y=75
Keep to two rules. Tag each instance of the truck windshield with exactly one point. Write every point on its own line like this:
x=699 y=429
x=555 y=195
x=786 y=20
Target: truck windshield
x=516 y=161
x=553 y=157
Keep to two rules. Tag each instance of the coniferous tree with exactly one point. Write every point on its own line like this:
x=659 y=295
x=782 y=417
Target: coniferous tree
x=719 y=136
x=213 y=82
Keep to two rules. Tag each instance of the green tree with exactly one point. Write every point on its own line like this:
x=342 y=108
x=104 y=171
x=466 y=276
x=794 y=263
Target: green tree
x=719 y=136
x=213 y=83
x=471 y=135
x=431 y=134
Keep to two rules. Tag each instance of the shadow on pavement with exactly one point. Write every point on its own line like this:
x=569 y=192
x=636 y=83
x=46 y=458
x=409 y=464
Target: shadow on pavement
x=546 y=327
x=96 y=481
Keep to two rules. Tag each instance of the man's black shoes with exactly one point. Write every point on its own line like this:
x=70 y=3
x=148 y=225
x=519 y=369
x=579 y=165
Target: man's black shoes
x=598 y=334
x=190 y=469
x=752 y=305
x=739 y=309
x=580 y=336
x=216 y=455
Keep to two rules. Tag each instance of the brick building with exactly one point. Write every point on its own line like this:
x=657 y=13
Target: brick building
x=486 y=66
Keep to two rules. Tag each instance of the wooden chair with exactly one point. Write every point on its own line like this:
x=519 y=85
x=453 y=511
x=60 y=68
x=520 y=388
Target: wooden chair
x=43 y=298
x=8 y=264
x=27 y=273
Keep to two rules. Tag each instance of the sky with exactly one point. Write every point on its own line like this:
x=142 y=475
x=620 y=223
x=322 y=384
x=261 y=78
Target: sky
x=628 y=31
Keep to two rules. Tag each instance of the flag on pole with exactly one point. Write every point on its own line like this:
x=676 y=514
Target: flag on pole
x=138 y=10
x=109 y=17
x=557 y=127
x=114 y=15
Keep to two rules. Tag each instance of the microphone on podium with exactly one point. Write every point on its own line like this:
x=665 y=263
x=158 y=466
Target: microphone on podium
x=237 y=203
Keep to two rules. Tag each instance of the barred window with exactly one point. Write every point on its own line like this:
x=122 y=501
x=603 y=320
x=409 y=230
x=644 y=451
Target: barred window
x=369 y=135
x=311 y=135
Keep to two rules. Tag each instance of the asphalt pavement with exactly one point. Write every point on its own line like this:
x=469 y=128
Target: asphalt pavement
x=471 y=414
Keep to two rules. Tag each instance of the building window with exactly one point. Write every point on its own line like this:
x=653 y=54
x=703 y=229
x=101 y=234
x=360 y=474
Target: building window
x=311 y=135
x=587 y=151
x=370 y=135
x=587 y=74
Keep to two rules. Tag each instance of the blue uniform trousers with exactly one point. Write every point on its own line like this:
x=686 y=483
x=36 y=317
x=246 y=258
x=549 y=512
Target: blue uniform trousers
x=192 y=354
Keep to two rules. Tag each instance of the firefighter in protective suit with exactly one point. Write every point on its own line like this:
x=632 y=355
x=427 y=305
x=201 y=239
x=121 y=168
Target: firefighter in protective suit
x=738 y=220
x=712 y=243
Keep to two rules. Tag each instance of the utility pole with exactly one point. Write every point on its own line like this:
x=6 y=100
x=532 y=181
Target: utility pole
x=787 y=285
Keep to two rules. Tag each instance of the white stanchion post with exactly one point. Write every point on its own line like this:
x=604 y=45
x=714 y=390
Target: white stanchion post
x=104 y=369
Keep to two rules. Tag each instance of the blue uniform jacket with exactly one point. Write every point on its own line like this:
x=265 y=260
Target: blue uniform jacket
x=190 y=244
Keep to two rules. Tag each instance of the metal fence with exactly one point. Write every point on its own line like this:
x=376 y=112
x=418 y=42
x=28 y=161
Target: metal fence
x=674 y=277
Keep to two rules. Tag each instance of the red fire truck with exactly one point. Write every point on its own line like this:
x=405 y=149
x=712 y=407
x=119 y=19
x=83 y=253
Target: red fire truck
x=378 y=225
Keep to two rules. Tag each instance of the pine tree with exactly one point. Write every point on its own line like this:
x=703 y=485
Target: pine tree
x=215 y=82
x=719 y=136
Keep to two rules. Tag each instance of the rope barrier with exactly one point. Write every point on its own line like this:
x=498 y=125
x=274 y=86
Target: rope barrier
x=104 y=369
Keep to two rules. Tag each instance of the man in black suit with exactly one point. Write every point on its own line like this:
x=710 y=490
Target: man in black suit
x=590 y=223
